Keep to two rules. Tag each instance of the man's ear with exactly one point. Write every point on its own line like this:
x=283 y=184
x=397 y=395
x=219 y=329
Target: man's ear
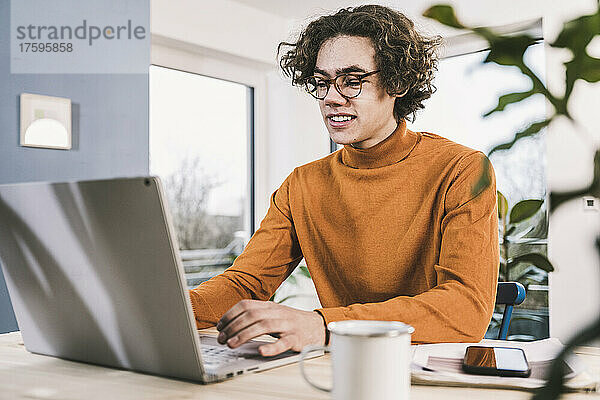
x=400 y=94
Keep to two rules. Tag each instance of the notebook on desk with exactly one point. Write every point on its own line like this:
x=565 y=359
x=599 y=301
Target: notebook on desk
x=94 y=275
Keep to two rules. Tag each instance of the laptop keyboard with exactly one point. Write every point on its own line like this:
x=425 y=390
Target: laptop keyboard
x=215 y=355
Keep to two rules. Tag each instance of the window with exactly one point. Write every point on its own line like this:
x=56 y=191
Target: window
x=200 y=146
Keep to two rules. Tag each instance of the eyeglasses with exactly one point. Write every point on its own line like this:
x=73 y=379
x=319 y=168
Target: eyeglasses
x=348 y=85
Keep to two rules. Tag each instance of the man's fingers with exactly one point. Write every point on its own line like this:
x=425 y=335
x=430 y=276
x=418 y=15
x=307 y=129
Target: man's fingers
x=239 y=308
x=232 y=313
x=257 y=329
x=241 y=322
x=278 y=347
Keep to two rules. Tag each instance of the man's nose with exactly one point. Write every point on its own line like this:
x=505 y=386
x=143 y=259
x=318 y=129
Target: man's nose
x=334 y=97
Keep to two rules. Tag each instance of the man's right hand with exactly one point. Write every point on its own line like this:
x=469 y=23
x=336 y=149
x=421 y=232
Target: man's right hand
x=249 y=319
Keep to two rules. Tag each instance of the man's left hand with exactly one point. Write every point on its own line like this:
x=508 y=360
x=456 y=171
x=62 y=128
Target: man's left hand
x=251 y=318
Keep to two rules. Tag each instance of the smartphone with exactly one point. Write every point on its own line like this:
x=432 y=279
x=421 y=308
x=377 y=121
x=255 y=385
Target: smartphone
x=500 y=361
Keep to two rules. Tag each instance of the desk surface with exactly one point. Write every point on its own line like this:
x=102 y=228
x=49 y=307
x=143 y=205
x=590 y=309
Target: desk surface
x=29 y=376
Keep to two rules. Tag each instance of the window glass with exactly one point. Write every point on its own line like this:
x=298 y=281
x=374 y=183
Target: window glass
x=199 y=147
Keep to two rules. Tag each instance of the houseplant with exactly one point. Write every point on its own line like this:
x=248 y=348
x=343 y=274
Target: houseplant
x=523 y=260
x=514 y=225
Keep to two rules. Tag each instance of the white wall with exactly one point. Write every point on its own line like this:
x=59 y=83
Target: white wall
x=223 y=25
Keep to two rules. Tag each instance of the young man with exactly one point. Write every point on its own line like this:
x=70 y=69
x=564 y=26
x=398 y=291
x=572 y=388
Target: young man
x=392 y=226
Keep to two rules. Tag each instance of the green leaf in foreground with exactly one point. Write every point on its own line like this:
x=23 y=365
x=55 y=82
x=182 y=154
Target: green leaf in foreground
x=524 y=209
x=509 y=98
x=578 y=33
x=444 y=14
x=484 y=179
x=509 y=50
x=584 y=67
x=575 y=36
x=531 y=130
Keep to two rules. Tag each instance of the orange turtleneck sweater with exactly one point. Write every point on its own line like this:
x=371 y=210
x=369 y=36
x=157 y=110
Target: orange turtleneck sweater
x=392 y=232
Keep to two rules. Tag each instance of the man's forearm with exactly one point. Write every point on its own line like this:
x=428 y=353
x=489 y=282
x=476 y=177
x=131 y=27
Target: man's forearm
x=450 y=312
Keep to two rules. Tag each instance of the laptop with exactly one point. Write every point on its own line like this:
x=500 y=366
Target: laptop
x=94 y=275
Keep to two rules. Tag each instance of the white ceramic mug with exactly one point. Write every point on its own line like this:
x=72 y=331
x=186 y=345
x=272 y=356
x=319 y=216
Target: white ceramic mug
x=370 y=360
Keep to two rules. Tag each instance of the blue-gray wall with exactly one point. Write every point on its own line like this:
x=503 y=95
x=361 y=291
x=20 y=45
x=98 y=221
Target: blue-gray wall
x=110 y=130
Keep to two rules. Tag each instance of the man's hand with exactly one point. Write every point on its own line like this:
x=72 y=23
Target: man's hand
x=251 y=318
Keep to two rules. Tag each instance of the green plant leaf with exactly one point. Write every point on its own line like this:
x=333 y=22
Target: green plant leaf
x=539 y=260
x=502 y=205
x=484 y=179
x=578 y=33
x=581 y=66
x=524 y=209
x=507 y=50
x=292 y=280
x=509 y=98
x=584 y=67
x=531 y=130
x=444 y=14
x=304 y=271
x=575 y=36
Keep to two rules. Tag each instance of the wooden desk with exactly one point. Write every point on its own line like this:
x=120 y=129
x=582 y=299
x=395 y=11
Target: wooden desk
x=28 y=376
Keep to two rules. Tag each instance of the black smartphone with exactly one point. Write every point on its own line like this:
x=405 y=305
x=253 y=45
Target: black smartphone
x=500 y=361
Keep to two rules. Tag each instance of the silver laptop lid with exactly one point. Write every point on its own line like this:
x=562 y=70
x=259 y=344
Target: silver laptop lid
x=93 y=275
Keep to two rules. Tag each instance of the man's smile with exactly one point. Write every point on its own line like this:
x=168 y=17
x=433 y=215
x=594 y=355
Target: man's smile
x=340 y=120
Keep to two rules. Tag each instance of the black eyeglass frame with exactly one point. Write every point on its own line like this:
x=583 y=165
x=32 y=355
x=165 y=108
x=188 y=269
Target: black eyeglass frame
x=333 y=81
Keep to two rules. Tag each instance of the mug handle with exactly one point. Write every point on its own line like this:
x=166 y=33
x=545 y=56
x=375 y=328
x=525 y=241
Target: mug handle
x=305 y=351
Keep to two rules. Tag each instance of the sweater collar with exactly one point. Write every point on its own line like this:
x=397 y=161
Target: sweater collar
x=391 y=150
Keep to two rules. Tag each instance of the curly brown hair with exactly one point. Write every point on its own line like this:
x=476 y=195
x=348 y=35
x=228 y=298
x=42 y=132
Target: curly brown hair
x=406 y=58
